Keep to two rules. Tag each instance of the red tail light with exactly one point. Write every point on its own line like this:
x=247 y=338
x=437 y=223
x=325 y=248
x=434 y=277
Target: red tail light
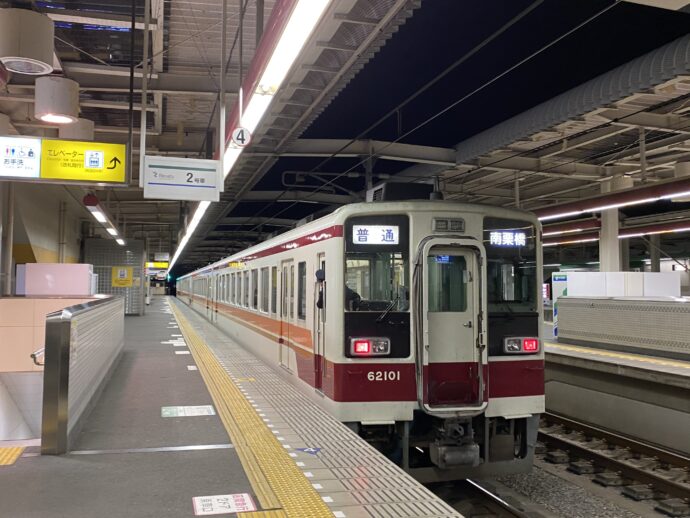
x=361 y=347
x=530 y=345
x=520 y=345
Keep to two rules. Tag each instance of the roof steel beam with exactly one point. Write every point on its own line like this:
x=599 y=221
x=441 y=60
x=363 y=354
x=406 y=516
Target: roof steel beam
x=304 y=196
x=655 y=121
x=381 y=149
x=574 y=170
x=96 y=18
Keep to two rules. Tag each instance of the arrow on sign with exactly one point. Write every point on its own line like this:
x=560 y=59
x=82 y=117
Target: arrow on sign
x=114 y=163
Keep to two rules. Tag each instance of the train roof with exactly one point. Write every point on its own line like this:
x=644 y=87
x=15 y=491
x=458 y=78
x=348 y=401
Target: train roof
x=383 y=207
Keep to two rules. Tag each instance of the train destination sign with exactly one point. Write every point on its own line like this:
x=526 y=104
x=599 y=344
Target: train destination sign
x=20 y=157
x=188 y=179
x=62 y=161
x=507 y=238
x=375 y=234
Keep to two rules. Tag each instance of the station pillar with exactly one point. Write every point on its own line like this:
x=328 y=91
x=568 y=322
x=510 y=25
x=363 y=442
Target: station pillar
x=655 y=252
x=609 y=245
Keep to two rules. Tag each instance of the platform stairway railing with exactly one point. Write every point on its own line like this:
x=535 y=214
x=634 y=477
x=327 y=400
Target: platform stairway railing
x=37 y=354
x=83 y=345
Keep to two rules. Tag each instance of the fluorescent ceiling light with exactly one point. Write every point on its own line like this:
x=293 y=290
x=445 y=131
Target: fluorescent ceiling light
x=111 y=231
x=120 y=241
x=573 y=242
x=100 y=217
x=571 y=231
x=297 y=31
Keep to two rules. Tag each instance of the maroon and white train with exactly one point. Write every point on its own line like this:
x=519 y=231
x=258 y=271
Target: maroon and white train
x=417 y=323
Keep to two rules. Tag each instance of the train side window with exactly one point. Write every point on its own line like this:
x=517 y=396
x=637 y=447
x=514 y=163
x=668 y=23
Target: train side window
x=274 y=290
x=255 y=289
x=238 y=296
x=264 y=289
x=245 y=290
x=302 y=290
x=292 y=291
x=232 y=288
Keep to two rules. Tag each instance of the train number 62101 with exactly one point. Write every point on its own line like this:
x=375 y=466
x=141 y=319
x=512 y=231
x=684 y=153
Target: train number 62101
x=383 y=376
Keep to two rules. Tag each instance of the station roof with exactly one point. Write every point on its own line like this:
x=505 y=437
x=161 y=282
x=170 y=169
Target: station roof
x=412 y=89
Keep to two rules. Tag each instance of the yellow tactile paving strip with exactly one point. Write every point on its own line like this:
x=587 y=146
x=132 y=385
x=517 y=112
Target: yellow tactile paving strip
x=620 y=356
x=9 y=456
x=281 y=488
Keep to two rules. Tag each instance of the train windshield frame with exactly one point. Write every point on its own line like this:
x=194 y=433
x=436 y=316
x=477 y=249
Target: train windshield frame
x=377 y=263
x=511 y=252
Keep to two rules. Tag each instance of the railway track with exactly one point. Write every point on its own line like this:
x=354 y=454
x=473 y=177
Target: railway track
x=642 y=471
x=474 y=498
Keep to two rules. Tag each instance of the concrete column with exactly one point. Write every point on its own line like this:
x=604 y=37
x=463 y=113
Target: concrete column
x=625 y=254
x=7 y=238
x=609 y=250
x=655 y=252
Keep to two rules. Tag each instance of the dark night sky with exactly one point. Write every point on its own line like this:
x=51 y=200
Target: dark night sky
x=441 y=31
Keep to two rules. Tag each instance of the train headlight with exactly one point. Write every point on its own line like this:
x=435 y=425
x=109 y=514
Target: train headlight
x=520 y=345
x=370 y=346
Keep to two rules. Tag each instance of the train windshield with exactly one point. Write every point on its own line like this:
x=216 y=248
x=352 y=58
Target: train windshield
x=377 y=281
x=511 y=249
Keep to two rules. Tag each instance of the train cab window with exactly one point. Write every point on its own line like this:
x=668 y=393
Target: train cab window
x=255 y=289
x=511 y=265
x=302 y=290
x=374 y=281
x=264 y=290
x=447 y=283
x=274 y=290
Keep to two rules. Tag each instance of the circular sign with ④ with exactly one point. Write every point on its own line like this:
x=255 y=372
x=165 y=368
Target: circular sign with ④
x=241 y=136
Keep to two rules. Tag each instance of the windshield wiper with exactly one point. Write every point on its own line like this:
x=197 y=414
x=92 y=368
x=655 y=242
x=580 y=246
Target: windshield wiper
x=388 y=309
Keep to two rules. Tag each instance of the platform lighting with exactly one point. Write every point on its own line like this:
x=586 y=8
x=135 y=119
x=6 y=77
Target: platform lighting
x=93 y=205
x=120 y=241
x=615 y=206
x=299 y=27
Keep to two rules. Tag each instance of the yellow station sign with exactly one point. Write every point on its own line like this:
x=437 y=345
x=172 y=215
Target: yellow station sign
x=158 y=264
x=122 y=277
x=83 y=161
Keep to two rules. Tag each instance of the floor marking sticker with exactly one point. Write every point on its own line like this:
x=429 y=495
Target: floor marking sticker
x=300 y=464
x=308 y=474
x=339 y=514
x=187 y=411
x=192 y=368
x=182 y=352
x=9 y=456
x=310 y=451
x=327 y=499
x=223 y=504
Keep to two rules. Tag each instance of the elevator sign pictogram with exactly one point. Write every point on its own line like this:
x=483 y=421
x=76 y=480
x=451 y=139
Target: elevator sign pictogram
x=83 y=161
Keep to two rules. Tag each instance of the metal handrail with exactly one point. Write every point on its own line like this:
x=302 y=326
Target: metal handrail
x=54 y=433
x=36 y=354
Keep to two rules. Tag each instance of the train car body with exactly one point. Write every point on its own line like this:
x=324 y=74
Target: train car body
x=417 y=323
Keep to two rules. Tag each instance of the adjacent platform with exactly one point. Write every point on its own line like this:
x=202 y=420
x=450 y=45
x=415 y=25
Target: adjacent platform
x=157 y=443
x=645 y=397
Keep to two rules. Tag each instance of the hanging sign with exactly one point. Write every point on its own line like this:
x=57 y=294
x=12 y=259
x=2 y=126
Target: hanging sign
x=122 y=277
x=83 y=161
x=241 y=137
x=187 y=179
x=20 y=157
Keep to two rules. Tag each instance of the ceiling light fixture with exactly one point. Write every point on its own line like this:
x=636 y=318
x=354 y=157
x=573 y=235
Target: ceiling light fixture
x=93 y=205
x=303 y=19
x=56 y=100
x=26 y=41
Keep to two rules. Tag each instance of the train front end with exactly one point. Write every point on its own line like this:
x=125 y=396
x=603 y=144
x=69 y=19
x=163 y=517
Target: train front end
x=442 y=320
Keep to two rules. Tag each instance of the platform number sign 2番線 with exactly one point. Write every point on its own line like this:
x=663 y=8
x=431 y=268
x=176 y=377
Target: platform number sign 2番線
x=241 y=136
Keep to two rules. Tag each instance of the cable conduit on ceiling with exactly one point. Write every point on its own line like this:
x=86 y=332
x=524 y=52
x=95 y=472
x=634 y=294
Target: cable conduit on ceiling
x=642 y=73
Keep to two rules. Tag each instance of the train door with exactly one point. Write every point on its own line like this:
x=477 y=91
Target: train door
x=287 y=316
x=452 y=352
x=319 y=338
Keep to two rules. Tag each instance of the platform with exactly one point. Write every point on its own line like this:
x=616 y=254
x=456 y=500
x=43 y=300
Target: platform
x=643 y=396
x=157 y=442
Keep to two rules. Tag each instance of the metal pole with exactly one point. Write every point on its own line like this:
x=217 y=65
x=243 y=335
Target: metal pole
x=259 y=21
x=130 y=137
x=144 y=99
x=517 y=191
x=221 y=100
x=7 y=239
x=643 y=154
